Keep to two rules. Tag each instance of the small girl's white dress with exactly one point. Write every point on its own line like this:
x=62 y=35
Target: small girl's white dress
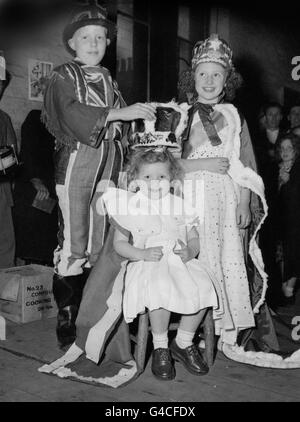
x=179 y=287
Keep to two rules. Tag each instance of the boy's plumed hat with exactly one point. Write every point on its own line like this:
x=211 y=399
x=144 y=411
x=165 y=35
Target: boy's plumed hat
x=213 y=49
x=87 y=15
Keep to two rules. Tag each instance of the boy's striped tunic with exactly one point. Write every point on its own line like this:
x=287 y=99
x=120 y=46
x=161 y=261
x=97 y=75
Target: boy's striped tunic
x=89 y=156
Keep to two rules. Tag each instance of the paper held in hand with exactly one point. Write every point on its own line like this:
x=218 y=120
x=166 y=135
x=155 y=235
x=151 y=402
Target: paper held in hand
x=45 y=205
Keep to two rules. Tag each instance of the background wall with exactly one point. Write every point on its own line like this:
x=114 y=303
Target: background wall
x=32 y=40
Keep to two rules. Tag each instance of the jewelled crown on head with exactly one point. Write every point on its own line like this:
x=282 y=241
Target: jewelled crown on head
x=213 y=49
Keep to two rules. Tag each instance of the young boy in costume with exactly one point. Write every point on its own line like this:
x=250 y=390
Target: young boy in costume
x=85 y=111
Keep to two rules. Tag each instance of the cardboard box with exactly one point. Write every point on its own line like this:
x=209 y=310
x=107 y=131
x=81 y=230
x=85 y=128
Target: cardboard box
x=26 y=293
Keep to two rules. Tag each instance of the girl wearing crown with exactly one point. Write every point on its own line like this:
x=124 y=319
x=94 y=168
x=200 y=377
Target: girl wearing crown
x=162 y=274
x=217 y=149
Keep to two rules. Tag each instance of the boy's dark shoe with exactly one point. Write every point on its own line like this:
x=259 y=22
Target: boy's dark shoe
x=162 y=364
x=67 y=292
x=190 y=357
x=66 y=328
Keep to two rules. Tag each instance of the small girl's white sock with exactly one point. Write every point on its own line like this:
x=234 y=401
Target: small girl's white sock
x=184 y=339
x=160 y=340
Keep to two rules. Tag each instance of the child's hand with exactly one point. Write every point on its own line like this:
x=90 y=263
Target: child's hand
x=152 y=254
x=217 y=165
x=42 y=191
x=284 y=175
x=133 y=112
x=185 y=253
x=243 y=216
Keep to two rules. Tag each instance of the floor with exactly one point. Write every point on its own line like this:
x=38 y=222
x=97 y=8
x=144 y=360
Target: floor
x=30 y=345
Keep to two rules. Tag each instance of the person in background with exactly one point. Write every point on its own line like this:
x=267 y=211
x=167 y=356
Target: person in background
x=35 y=229
x=294 y=115
x=296 y=131
x=7 y=236
x=288 y=150
x=268 y=134
x=265 y=147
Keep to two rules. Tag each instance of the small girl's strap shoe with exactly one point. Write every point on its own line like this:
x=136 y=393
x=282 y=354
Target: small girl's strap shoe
x=162 y=364
x=190 y=357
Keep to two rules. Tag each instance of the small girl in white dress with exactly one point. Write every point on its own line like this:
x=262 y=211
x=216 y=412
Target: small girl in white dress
x=162 y=274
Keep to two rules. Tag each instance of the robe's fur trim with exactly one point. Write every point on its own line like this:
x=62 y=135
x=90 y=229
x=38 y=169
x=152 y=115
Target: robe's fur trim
x=247 y=178
x=262 y=359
